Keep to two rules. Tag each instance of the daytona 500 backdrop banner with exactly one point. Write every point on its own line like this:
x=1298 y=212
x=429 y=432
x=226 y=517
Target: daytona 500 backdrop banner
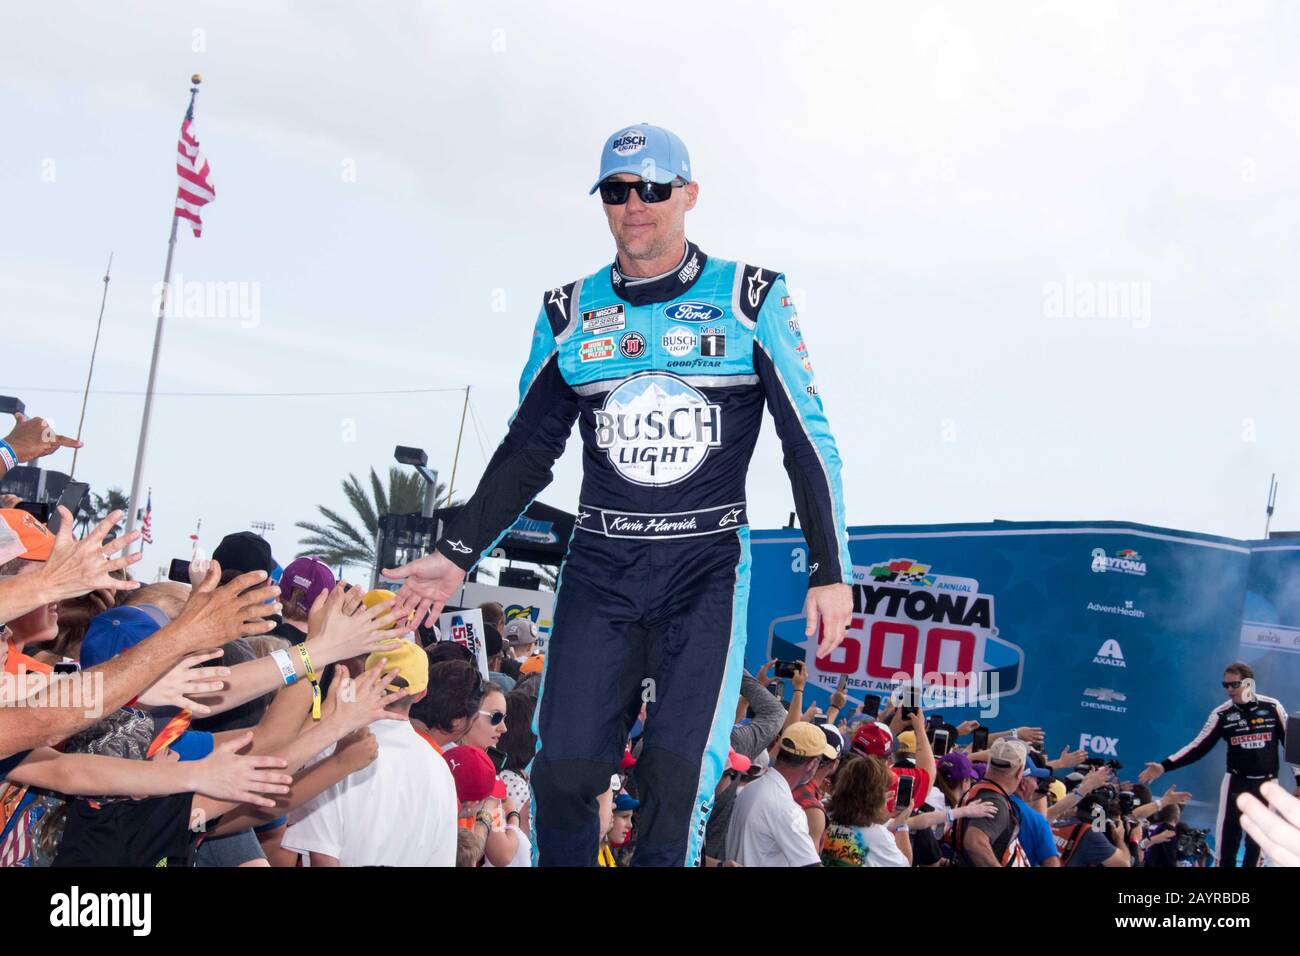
x=1110 y=636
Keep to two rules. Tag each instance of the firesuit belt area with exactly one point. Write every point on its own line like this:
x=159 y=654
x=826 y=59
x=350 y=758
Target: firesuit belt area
x=678 y=524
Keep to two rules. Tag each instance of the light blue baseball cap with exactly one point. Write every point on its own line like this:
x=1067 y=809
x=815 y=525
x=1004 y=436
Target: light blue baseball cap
x=651 y=152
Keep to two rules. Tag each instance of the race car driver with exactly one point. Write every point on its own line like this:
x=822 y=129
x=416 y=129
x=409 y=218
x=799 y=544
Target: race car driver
x=1254 y=727
x=665 y=358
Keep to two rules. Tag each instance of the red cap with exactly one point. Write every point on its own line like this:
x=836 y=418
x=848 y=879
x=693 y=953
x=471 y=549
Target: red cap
x=873 y=739
x=628 y=760
x=473 y=771
x=499 y=790
x=738 y=762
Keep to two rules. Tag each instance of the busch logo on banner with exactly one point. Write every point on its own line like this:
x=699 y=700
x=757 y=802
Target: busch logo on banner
x=912 y=626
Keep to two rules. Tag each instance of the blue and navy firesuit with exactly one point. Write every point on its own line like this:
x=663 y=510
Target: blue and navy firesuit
x=667 y=378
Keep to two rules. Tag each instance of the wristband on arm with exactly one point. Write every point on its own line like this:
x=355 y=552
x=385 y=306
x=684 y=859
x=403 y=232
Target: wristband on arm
x=282 y=661
x=311 y=676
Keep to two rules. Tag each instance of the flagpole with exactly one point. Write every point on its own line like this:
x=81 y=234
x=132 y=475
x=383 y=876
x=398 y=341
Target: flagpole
x=93 y=349
x=451 y=485
x=153 y=361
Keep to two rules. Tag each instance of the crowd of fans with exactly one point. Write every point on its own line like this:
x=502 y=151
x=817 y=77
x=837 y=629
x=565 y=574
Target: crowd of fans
x=236 y=721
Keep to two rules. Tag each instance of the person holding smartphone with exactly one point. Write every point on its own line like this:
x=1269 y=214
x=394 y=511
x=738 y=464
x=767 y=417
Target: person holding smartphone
x=1254 y=727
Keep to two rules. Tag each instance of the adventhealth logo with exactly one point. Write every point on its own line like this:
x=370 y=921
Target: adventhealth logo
x=103 y=909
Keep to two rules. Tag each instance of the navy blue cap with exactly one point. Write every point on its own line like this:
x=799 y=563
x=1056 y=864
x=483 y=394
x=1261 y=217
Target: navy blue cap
x=115 y=630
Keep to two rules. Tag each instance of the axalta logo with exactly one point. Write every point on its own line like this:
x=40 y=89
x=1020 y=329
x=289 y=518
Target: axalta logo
x=656 y=429
x=692 y=312
x=1126 y=561
x=1110 y=654
x=628 y=142
x=1103 y=746
x=679 y=341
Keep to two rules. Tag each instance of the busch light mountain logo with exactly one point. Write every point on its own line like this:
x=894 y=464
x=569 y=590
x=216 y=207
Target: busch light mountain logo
x=656 y=429
x=692 y=312
x=628 y=142
x=1126 y=561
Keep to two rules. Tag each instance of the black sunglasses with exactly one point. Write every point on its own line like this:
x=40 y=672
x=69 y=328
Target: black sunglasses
x=1231 y=684
x=615 y=193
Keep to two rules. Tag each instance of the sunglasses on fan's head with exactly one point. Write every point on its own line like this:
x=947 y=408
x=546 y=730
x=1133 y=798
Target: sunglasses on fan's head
x=615 y=193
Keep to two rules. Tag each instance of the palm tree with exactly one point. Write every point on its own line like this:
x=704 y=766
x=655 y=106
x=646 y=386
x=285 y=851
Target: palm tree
x=101 y=506
x=343 y=542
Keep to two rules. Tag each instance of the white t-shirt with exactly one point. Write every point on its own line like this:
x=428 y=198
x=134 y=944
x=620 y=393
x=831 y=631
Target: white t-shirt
x=399 y=811
x=767 y=827
x=861 y=846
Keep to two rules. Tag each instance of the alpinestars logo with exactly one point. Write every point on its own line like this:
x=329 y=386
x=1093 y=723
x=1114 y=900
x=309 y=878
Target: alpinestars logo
x=756 y=286
x=1110 y=654
x=1126 y=561
x=656 y=429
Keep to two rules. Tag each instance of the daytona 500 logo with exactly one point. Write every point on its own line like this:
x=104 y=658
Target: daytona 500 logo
x=656 y=429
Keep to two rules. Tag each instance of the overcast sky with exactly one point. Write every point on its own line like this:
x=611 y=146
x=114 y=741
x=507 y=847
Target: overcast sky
x=952 y=190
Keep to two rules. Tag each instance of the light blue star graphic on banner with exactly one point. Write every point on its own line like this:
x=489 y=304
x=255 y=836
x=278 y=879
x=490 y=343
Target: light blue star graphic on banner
x=1029 y=566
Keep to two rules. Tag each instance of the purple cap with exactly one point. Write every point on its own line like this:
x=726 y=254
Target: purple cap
x=309 y=575
x=957 y=767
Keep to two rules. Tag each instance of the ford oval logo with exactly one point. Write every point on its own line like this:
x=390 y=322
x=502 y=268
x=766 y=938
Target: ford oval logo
x=693 y=312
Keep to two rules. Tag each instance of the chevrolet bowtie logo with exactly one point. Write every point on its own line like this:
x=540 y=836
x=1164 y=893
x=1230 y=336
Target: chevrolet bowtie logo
x=459 y=547
x=1104 y=694
x=731 y=517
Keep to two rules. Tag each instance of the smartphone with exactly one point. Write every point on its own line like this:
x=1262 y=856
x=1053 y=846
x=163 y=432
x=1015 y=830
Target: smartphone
x=933 y=721
x=498 y=758
x=787 y=669
x=904 y=798
x=776 y=689
x=871 y=705
x=819 y=719
x=11 y=406
x=981 y=741
x=941 y=741
x=1293 y=740
x=67 y=667
x=179 y=570
x=74 y=493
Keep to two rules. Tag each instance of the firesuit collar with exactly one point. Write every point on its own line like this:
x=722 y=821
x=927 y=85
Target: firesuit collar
x=662 y=288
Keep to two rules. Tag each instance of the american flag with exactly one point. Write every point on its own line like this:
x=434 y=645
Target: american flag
x=195 y=190
x=146 y=527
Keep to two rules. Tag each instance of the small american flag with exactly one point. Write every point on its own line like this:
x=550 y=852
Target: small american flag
x=195 y=190
x=146 y=527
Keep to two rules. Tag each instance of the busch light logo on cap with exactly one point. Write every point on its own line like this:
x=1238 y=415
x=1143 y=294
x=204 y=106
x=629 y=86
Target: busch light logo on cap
x=628 y=142
x=656 y=429
x=692 y=312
